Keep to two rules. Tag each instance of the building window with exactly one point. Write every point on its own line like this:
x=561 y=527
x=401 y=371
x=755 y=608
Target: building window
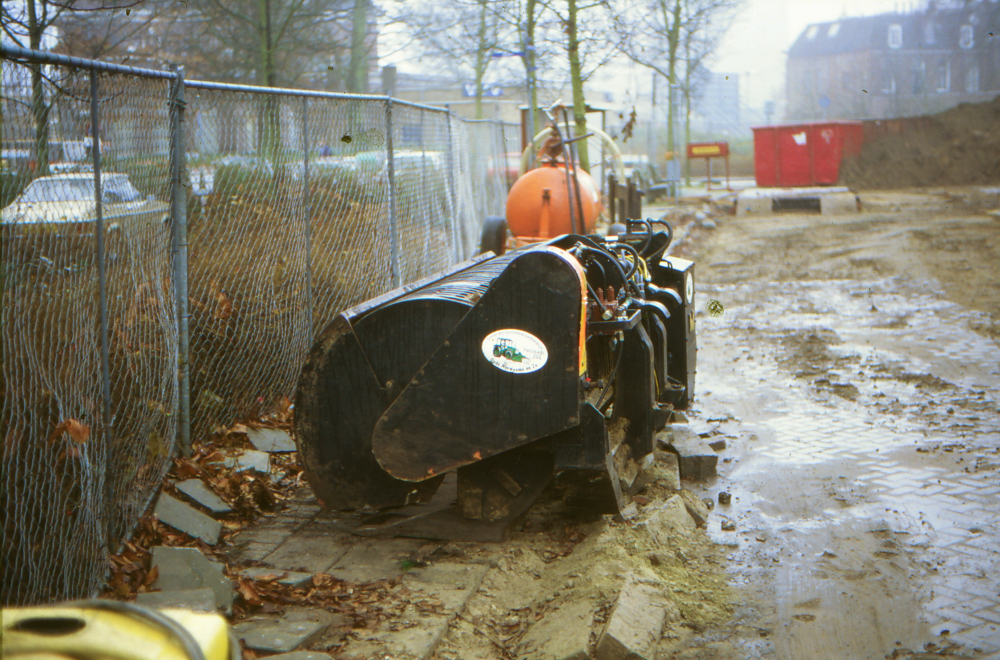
x=888 y=81
x=972 y=79
x=895 y=36
x=943 y=76
x=965 y=37
x=834 y=29
x=919 y=76
x=929 y=33
x=811 y=32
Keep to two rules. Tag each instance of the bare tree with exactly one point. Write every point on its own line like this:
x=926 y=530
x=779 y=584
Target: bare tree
x=461 y=35
x=26 y=24
x=673 y=38
x=589 y=46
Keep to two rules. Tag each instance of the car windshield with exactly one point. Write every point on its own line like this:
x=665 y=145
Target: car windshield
x=117 y=189
x=59 y=190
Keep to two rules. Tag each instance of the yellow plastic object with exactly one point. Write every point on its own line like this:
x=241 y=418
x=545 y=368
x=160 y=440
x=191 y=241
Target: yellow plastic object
x=88 y=633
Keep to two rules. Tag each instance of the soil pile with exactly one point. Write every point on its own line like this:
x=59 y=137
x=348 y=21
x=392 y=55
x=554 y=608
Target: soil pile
x=960 y=146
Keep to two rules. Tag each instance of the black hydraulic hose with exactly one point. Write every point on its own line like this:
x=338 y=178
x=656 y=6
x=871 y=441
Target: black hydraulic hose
x=611 y=258
x=173 y=629
x=604 y=275
x=635 y=256
x=614 y=373
x=593 y=294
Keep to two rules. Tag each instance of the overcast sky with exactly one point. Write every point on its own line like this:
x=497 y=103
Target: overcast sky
x=763 y=31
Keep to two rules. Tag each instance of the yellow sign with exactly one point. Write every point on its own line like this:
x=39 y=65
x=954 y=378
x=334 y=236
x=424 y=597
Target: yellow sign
x=708 y=150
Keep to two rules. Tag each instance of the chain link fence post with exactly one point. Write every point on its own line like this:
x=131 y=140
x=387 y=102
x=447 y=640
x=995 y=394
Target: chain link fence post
x=179 y=247
x=393 y=220
x=453 y=192
x=102 y=276
x=306 y=210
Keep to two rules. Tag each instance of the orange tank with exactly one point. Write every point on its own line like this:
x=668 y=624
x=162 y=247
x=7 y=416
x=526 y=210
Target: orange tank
x=537 y=205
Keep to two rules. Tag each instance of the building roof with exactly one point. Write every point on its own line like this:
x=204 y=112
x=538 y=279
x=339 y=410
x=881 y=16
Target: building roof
x=935 y=29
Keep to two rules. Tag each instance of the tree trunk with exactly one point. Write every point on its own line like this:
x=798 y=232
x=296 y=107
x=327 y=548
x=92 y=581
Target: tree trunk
x=481 y=55
x=270 y=129
x=357 y=81
x=529 y=65
x=576 y=76
x=39 y=110
x=673 y=41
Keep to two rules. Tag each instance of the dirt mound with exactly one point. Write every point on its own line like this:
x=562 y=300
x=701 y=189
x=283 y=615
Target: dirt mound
x=960 y=146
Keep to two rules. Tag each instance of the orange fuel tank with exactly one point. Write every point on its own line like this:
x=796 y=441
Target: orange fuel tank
x=537 y=204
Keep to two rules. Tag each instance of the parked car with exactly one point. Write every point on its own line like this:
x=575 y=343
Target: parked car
x=66 y=204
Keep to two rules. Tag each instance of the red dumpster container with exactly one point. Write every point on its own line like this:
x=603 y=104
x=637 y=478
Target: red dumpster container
x=803 y=154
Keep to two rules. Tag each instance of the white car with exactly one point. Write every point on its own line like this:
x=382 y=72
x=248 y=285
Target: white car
x=65 y=203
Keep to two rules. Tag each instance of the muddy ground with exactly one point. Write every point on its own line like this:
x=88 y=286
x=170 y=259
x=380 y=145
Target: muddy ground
x=853 y=379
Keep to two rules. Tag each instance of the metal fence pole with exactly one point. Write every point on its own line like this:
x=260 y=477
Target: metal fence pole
x=393 y=227
x=306 y=211
x=460 y=248
x=102 y=275
x=179 y=245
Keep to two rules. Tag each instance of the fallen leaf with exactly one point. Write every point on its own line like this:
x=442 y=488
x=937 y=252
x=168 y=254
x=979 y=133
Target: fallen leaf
x=78 y=432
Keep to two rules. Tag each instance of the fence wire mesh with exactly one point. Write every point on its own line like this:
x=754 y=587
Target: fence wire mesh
x=297 y=206
x=73 y=486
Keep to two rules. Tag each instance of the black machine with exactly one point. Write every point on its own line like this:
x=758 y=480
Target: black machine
x=565 y=354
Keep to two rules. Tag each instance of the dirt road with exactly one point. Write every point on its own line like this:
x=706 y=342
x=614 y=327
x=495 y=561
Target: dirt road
x=856 y=373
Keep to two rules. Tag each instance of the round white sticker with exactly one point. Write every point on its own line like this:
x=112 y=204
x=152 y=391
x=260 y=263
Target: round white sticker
x=515 y=351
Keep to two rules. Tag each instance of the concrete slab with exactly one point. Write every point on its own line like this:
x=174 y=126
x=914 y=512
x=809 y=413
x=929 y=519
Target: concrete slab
x=281 y=636
x=456 y=576
x=696 y=508
x=290 y=578
x=381 y=560
x=274 y=441
x=307 y=553
x=416 y=643
x=182 y=569
x=202 y=599
x=696 y=459
x=669 y=519
x=635 y=624
x=561 y=635
x=753 y=205
x=203 y=495
x=837 y=203
x=184 y=518
x=258 y=461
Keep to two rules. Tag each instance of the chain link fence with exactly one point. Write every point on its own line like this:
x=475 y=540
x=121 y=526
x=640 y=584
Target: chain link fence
x=170 y=249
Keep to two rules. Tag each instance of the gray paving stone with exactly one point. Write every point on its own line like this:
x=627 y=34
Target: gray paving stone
x=271 y=440
x=367 y=562
x=696 y=508
x=291 y=578
x=635 y=624
x=203 y=495
x=460 y=576
x=258 y=461
x=184 y=518
x=281 y=636
x=696 y=459
x=308 y=553
x=187 y=569
x=418 y=642
x=561 y=635
x=188 y=599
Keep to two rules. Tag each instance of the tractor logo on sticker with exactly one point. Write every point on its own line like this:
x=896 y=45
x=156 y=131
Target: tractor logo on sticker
x=515 y=351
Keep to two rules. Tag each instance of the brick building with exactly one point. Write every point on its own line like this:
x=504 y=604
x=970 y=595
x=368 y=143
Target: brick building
x=896 y=64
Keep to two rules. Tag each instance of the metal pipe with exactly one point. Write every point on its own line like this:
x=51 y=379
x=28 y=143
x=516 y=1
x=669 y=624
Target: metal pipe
x=102 y=275
x=393 y=229
x=12 y=52
x=576 y=180
x=179 y=245
x=306 y=210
